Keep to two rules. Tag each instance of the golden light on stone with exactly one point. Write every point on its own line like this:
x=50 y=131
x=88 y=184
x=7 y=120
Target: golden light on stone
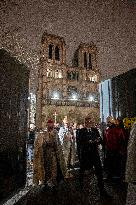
x=70 y=91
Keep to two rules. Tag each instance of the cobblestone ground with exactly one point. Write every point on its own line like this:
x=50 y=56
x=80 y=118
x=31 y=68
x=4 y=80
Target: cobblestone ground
x=131 y=194
x=69 y=193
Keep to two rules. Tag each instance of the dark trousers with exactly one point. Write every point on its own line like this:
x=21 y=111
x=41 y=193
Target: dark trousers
x=113 y=164
x=96 y=163
x=59 y=173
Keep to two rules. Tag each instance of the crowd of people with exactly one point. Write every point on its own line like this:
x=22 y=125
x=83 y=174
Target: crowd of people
x=57 y=149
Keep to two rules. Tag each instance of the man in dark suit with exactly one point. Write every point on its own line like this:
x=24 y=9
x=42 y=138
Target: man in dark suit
x=89 y=139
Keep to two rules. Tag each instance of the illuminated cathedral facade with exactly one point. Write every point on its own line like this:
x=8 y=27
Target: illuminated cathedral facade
x=63 y=90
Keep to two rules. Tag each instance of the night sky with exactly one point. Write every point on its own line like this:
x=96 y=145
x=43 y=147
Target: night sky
x=110 y=24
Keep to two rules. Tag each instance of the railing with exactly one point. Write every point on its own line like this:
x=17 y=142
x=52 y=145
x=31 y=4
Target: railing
x=71 y=102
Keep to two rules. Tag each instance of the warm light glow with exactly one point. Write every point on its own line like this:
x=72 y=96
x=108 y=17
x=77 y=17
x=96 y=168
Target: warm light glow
x=60 y=74
x=93 y=78
x=91 y=98
x=54 y=73
x=55 y=95
x=74 y=97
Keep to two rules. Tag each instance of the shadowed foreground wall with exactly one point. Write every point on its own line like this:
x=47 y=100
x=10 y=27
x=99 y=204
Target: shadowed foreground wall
x=14 y=79
x=124 y=94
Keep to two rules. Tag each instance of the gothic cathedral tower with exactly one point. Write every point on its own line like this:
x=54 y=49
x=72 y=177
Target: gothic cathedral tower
x=67 y=91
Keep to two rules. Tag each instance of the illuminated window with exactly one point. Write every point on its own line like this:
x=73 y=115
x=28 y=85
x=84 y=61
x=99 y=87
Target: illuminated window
x=72 y=93
x=54 y=73
x=58 y=74
x=91 y=98
x=56 y=94
x=94 y=78
x=49 y=73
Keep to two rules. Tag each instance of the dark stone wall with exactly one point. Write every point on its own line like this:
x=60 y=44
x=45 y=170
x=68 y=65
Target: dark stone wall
x=14 y=83
x=124 y=94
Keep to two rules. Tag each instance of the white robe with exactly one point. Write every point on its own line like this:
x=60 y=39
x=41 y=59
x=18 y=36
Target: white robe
x=66 y=138
x=47 y=152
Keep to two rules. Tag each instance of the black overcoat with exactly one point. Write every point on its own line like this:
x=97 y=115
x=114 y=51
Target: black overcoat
x=88 y=141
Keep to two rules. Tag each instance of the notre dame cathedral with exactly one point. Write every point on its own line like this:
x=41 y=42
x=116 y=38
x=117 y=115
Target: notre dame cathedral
x=63 y=90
